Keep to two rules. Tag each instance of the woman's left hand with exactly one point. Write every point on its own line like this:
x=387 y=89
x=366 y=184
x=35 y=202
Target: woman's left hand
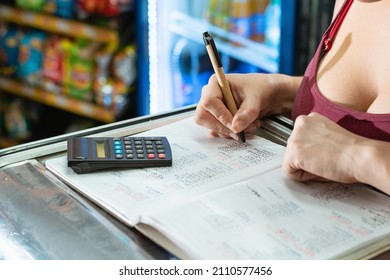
x=318 y=148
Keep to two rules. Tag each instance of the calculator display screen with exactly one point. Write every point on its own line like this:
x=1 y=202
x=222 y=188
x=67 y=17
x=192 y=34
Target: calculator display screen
x=100 y=150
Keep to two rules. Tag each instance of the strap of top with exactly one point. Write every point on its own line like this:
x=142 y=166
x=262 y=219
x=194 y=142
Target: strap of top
x=335 y=26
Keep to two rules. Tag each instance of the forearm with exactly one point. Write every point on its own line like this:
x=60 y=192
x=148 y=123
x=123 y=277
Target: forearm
x=285 y=88
x=372 y=163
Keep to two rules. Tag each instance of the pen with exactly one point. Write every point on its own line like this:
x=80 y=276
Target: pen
x=223 y=83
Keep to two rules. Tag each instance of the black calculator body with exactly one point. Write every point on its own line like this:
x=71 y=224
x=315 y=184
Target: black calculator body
x=88 y=154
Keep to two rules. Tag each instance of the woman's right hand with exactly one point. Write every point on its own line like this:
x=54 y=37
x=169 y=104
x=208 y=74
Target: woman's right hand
x=256 y=95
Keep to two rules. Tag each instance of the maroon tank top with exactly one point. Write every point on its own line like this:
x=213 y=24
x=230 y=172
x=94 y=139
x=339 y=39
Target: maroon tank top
x=309 y=98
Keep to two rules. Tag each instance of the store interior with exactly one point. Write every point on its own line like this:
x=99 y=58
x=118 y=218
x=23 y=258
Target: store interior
x=68 y=65
x=64 y=66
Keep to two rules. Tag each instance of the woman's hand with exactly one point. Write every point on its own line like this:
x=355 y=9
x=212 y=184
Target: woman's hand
x=256 y=95
x=318 y=148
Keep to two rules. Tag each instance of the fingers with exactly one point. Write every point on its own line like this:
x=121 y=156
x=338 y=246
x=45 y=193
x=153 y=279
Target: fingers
x=218 y=110
x=230 y=135
x=297 y=173
x=247 y=115
x=213 y=114
x=211 y=111
x=294 y=163
x=303 y=159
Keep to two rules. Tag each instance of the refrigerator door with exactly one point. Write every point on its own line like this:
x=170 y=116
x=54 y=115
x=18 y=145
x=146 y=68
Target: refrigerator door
x=173 y=62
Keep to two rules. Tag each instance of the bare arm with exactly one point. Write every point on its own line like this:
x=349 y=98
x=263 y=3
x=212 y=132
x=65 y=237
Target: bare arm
x=372 y=163
x=319 y=148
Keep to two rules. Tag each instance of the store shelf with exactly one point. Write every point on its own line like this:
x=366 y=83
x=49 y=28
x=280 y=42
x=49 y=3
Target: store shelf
x=54 y=24
x=257 y=54
x=62 y=102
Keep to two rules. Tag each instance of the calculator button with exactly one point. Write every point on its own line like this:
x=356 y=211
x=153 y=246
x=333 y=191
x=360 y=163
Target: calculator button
x=139 y=147
x=130 y=156
x=149 y=147
x=128 y=147
x=140 y=156
x=162 y=156
x=150 y=151
x=119 y=156
x=138 y=142
x=127 y=142
x=139 y=151
x=153 y=138
x=129 y=151
x=160 y=151
x=151 y=156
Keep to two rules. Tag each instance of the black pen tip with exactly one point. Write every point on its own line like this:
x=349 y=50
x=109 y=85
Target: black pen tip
x=207 y=38
x=241 y=136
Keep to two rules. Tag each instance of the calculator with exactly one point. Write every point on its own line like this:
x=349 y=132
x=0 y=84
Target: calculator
x=88 y=154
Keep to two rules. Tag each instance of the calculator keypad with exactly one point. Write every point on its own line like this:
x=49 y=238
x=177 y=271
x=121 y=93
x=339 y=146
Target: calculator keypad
x=139 y=148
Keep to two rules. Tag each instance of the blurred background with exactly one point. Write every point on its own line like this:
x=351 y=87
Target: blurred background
x=67 y=65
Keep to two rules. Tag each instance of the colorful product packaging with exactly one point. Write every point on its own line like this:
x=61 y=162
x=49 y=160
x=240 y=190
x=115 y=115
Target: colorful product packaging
x=32 y=5
x=103 y=84
x=53 y=64
x=61 y=8
x=30 y=57
x=9 y=49
x=124 y=75
x=79 y=63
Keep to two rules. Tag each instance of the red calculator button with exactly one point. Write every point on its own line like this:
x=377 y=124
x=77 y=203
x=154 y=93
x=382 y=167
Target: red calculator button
x=151 y=156
x=162 y=156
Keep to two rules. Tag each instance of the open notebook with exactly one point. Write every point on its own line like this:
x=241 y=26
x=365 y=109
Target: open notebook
x=227 y=200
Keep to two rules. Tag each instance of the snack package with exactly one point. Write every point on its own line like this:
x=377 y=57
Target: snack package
x=102 y=85
x=32 y=5
x=79 y=64
x=124 y=74
x=30 y=57
x=52 y=65
x=61 y=8
x=9 y=49
x=16 y=121
x=101 y=7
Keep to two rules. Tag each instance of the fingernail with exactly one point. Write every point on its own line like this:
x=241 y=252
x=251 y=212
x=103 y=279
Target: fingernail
x=234 y=136
x=239 y=126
